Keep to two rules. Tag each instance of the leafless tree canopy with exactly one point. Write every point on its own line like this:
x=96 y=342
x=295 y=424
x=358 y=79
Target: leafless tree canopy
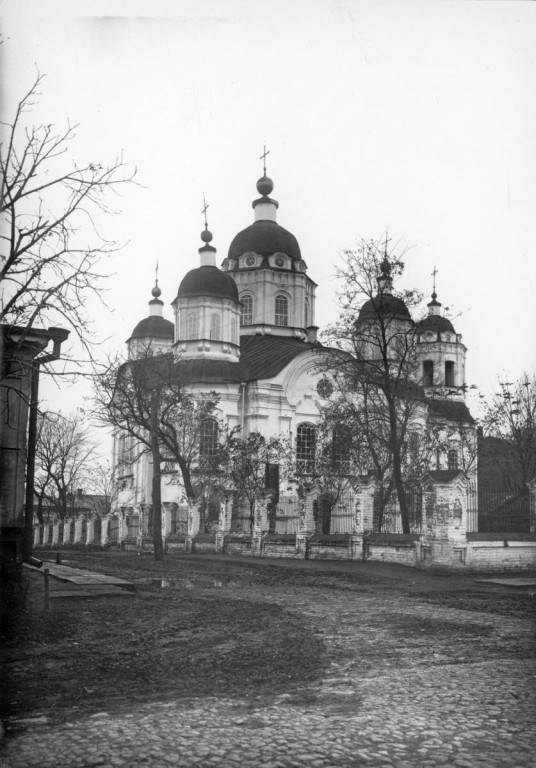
x=510 y=416
x=372 y=368
x=65 y=453
x=51 y=250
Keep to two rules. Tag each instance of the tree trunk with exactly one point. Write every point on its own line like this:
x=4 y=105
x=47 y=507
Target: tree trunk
x=397 y=467
x=157 y=495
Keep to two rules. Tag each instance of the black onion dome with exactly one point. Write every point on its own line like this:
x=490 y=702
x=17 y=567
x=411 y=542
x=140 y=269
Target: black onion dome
x=385 y=305
x=266 y=238
x=154 y=327
x=435 y=323
x=208 y=281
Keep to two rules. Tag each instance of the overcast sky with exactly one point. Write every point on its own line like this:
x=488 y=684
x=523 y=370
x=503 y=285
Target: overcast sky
x=416 y=116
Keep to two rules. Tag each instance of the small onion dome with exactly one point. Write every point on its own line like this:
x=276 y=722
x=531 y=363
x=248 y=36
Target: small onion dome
x=385 y=305
x=265 y=237
x=153 y=327
x=435 y=323
x=208 y=281
x=265 y=185
x=206 y=236
x=156 y=292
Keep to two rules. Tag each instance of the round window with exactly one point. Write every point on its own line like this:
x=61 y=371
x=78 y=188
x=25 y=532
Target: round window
x=250 y=261
x=279 y=261
x=324 y=388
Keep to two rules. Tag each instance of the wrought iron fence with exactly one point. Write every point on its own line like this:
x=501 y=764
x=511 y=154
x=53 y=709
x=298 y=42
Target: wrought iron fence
x=287 y=515
x=389 y=519
x=502 y=511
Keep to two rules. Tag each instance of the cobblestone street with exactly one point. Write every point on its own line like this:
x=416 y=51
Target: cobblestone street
x=466 y=697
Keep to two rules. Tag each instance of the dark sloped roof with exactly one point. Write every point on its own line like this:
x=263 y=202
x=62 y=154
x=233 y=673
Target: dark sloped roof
x=383 y=305
x=208 y=281
x=435 y=323
x=453 y=410
x=154 y=327
x=266 y=356
x=163 y=368
x=265 y=237
x=211 y=371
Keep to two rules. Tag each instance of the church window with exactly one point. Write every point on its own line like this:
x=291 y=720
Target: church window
x=428 y=373
x=281 y=310
x=324 y=388
x=341 y=440
x=192 y=325
x=208 y=444
x=452 y=458
x=247 y=310
x=306 y=313
x=233 y=330
x=306 y=448
x=215 y=327
x=449 y=373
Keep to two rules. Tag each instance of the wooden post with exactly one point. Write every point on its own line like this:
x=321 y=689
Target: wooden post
x=46 y=574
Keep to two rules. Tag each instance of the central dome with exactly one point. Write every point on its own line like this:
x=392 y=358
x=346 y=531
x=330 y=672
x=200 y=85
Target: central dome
x=265 y=237
x=208 y=281
x=384 y=305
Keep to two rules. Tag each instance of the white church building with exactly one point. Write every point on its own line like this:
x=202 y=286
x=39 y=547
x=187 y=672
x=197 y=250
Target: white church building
x=246 y=329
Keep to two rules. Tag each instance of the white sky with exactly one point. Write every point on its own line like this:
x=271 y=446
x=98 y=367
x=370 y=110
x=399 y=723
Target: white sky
x=419 y=116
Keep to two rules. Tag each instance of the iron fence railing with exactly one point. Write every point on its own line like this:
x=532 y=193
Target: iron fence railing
x=502 y=511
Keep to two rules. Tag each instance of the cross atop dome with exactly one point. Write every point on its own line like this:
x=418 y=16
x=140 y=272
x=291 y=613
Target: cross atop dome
x=263 y=158
x=206 y=235
x=434 y=305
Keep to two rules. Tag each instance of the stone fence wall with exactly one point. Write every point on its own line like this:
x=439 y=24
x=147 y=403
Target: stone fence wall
x=444 y=540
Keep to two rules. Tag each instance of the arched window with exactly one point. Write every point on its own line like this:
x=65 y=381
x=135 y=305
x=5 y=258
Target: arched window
x=340 y=443
x=428 y=373
x=307 y=313
x=215 y=327
x=247 y=310
x=192 y=325
x=452 y=458
x=233 y=330
x=281 y=310
x=208 y=444
x=306 y=448
x=449 y=373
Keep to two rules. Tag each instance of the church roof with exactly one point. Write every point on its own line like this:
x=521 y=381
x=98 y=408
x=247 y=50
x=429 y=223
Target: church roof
x=208 y=281
x=265 y=237
x=453 y=410
x=386 y=305
x=266 y=356
x=211 y=371
x=154 y=327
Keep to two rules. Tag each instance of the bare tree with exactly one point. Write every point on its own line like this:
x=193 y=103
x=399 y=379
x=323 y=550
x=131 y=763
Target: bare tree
x=65 y=453
x=148 y=400
x=372 y=367
x=51 y=249
x=250 y=468
x=101 y=484
x=510 y=417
